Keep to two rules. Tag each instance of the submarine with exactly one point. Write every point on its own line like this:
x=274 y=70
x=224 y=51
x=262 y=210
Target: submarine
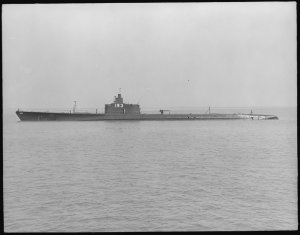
x=118 y=110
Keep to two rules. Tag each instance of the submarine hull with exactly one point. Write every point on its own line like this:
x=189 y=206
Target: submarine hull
x=50 y=116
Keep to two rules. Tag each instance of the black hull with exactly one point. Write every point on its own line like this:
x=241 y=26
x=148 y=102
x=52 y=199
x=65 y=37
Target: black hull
x=47 y=116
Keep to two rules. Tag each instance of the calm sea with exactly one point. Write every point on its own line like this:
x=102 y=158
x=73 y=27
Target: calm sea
x=150 y=175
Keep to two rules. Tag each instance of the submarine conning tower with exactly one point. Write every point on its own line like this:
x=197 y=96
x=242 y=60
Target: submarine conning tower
x=118 y=107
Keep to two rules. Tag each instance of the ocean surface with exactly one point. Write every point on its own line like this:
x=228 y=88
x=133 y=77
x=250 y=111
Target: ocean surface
x=150 y=175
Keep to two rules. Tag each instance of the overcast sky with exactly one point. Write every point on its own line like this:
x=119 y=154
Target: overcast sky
x=160 y=54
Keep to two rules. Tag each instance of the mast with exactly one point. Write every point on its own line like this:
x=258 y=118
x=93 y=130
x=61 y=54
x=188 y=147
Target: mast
x=74 y=107
x=208 y=111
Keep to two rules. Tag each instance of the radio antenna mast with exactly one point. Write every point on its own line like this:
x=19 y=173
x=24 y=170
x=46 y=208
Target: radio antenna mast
x=74 y=107
x=208 y=111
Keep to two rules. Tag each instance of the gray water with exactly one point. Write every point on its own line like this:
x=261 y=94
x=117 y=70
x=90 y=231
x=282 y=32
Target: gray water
x=150 y=175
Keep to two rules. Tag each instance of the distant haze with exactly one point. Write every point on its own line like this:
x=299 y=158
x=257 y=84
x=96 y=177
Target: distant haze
x=159 y=54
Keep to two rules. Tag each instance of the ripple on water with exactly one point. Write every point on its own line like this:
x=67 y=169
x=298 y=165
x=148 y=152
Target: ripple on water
x=146 y=176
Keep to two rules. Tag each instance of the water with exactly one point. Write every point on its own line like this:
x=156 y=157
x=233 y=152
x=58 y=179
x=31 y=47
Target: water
x=150 y=175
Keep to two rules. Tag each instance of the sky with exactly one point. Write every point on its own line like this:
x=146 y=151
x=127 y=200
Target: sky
x=159 y=54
